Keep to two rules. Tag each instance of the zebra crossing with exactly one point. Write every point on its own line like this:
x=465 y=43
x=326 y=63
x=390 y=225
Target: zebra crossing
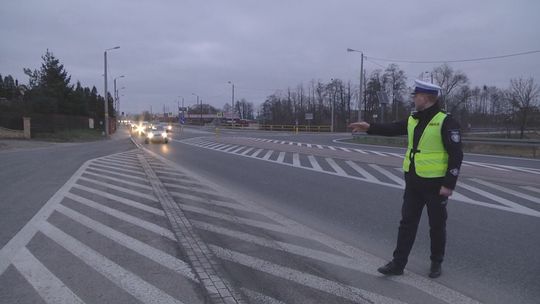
x=511 y=198
x=274 y=259
x=102 y=238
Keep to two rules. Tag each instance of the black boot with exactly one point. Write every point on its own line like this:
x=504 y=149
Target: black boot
x=391 y=269
x=435 y=271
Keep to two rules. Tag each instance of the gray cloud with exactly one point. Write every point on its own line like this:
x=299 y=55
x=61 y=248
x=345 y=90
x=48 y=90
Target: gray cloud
x=172 y=48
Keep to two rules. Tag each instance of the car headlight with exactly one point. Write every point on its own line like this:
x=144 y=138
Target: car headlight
x=150 y=135
x=164 y=134
x=169 y=127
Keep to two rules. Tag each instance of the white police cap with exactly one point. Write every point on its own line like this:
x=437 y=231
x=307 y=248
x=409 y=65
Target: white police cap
x=426 y=87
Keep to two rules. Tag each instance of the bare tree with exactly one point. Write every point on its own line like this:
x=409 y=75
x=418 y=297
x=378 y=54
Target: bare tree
x=523 y=94
x=449 y=81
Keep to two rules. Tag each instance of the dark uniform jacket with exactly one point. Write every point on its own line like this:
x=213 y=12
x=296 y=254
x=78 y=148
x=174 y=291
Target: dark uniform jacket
x=451 y=139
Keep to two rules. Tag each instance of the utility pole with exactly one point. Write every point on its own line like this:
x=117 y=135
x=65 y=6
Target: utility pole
x=361 y=87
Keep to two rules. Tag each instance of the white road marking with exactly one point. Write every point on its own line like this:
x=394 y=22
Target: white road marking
x=360 y=151
x=388 y=174
x=320 y=147
x=47 y=285
x=361 y=171
x=121 y=277
x=530 y=188
x=527 y=170
x=336 y=168
x=331 y=148
x=268 y=154
x=299 y=144
x=511 y=206
x=396 y=154
x=119 y=174
x=510 y=191
x=135 y=245
x=281 y=157
x=121 y=189
x=114 y=170
x=122 y=200
x=309 y=146
x=485 y=166
x=208 y=201
x=344 y=149
x=246 y=151
x=237 y=150
x=302 y=278
x=378 y=153
x=296 y=160
x=123 y=216
x=314 y=164
x=114 y=164
x=283 y=142
x=257 y=297
x=116 y=180
x=256 y=153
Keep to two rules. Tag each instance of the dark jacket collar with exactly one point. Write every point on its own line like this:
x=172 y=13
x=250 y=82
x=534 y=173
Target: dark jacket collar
x=427 y=113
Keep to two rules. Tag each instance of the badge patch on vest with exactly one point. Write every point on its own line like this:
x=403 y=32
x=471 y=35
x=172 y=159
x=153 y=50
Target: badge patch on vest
x=454 y=172
x=455 y=136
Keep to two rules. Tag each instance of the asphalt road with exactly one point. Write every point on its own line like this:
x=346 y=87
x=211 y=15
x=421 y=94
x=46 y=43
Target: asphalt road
x=491 y=252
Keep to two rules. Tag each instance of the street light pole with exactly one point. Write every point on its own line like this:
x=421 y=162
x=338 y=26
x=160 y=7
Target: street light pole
x=116 y=98
x=198 y=103
x=232 y=103
x=361 y=93
x=106 y=95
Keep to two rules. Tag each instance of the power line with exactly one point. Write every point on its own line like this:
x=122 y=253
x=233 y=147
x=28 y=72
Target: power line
x=457 y=60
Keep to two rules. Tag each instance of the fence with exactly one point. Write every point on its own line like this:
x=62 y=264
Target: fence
x=11 y=120
x=292 y=128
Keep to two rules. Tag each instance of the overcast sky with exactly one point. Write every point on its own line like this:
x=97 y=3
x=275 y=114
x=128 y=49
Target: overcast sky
x=176 y=48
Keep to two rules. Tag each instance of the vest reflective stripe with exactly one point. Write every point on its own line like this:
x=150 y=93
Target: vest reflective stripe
x=431 y=160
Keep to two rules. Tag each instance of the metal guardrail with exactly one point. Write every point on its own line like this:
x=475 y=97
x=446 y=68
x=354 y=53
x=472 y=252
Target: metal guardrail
x=295 y=128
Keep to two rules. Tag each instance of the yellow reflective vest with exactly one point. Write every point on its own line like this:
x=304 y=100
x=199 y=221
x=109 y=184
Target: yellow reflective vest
x=430 y=158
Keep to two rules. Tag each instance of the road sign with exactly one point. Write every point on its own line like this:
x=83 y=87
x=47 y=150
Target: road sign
x=219 y=114
x=182 y=109
x=309 y=116
x=383 y=97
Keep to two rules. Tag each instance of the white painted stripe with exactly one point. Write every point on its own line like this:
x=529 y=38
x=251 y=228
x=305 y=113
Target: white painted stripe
x=309 y=146
x=396 y=154
x=234 y=147
x=135 y=245
x=120 y=160
x=527 y=170
x=247 y=151
x=377 y=153
x=344 y=149
x=291 y=143
x=115 y=165
x=47 y=285
x=511 y=205
x=336 y=167
x=117 y=173
x=123 y=216
x=121 y=189
x=8 y=252
x=172 y=173
x=114 y=170
x=256 y=153
x=315 y=254
x=237 y=150
x=361 y=170
x=348 y=292
x=121 y=277
x=388 y=174
x=207 y=144
x=119 y=181
x=276 y=141
x=122 y=200
x=320 y=147
x=256 y=297
x=530 y=188
x=281 y=157
x=283 y=142
x=314 y=164
x=219 y=203
x=214 y=146
x=509 y=191
x=241 y=220
x=222 y=146
x=296 y=160
x=191 y=187
x=299 y=144
x=360 y=151
x=331 y=148
x=268 y=154
x=485 y=166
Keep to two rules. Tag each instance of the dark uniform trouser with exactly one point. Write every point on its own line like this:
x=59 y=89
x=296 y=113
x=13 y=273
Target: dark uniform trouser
x=414 y=199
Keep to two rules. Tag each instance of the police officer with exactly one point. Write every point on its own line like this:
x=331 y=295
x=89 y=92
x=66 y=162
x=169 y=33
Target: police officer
x=431 y=165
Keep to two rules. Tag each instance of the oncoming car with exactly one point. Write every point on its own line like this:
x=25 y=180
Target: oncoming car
x=156 y=134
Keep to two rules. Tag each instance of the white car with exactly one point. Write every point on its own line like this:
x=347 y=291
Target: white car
x=156 y=134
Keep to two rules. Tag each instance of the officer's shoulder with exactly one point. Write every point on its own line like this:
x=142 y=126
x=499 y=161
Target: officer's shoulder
x=450 y=120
